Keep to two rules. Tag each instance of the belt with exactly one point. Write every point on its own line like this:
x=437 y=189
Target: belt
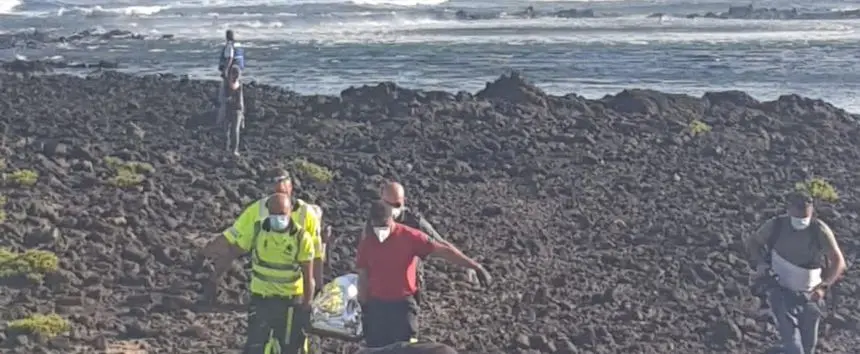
x=276 y=297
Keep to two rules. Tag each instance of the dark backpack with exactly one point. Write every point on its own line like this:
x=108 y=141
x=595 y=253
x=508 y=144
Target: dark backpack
x=238 y=57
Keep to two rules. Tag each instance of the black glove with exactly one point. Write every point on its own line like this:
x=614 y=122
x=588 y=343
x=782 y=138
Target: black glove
x=483 y=275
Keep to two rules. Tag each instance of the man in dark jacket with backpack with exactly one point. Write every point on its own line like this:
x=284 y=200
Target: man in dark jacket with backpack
x=796 y=259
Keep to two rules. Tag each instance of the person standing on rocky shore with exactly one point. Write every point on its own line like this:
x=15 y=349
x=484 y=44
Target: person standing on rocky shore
x=393 y=194
x=304 y=214
x=797 y=260
x=386 y=262
x=233 y=108
x=282 y=281
x=232 y=56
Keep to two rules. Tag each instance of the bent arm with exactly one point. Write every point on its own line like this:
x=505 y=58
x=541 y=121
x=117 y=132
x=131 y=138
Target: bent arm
x=308 y=280
x=222 y=253
x=755 y=242
x=318 y=271
x=834 y=270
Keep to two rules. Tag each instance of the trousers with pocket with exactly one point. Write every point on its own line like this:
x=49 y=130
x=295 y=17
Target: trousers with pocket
x=280 y=318
x=389 y=322
x=797 y=320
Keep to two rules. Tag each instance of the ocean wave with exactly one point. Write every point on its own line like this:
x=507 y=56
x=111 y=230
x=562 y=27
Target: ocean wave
x=8 y=6
x=99 y=11
x=408 y=29
x=401 y=3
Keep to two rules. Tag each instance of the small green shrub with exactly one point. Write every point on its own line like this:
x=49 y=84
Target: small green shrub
x=314 y=172
x=128 y=173
x=818 y=189
x=32 y=264
x=47 y=326
x=698 y=127
x=2 y=164
x=23 y=177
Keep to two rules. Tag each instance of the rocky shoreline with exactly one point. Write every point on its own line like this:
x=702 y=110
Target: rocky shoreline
x=611 y=225
x=747 y=12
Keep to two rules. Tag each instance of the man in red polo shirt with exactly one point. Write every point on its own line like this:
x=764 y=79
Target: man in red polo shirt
x=387 y=262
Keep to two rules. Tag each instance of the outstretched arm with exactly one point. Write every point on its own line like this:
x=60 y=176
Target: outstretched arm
x=755 y=242
x=453 y=255
x=424 y=246
x=233 y=243
x=222 y=253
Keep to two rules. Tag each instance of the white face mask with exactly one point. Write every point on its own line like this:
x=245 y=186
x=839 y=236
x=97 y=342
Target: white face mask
x=800 y=223
x=396 y=212
x=382 y=233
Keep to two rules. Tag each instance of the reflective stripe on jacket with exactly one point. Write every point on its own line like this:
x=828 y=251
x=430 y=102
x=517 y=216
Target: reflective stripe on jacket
x=276 y=259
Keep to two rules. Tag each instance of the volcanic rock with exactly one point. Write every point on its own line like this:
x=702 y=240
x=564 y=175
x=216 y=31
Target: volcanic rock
x=749 y=12
x=611 y=225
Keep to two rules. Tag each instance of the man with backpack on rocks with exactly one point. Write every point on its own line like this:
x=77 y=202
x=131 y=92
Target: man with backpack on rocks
x=231 y=102
x=797 y=260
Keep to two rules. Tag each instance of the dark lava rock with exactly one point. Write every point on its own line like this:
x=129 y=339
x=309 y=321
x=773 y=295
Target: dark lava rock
x=748 y=12
x=608 y=226
x=41 y=66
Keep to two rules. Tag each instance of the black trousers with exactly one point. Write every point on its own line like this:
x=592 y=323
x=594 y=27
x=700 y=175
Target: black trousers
x=389 y=322
x=278 y=317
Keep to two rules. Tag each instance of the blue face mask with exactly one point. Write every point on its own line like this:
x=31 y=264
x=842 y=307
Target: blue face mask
x=279 y=222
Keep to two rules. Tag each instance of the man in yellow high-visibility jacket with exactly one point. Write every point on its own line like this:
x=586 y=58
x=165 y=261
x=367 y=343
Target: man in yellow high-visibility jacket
x=306 y=215
x=282 y=284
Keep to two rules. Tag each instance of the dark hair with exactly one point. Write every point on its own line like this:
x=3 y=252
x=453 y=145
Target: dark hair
x=799 y=199
x=379 y=214
x=229 y=35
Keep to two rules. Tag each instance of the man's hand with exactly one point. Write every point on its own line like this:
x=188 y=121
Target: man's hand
x=472 y=276
x=818 y=292
x=326 y=236
x=483 y=275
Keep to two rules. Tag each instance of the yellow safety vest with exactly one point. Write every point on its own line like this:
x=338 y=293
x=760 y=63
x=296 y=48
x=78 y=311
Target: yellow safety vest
x=308 y=215
x=276 y=261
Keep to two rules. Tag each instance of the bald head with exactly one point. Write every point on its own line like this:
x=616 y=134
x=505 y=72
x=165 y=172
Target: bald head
x=280 y=204
x=393 y=194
